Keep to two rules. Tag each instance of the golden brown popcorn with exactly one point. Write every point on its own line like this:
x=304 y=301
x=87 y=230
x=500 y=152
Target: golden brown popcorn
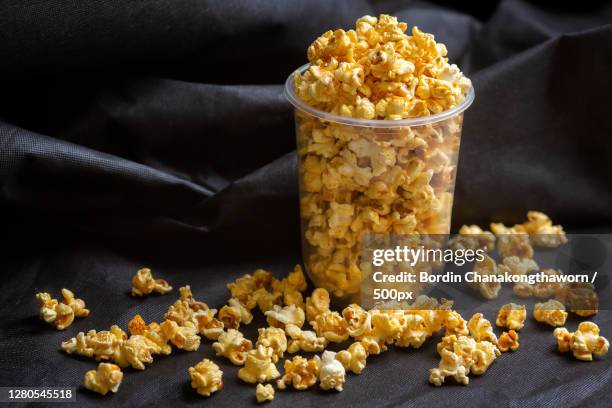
x=300 y=373
x=281 y=316
x=450 y=365
x=542 y=232
x=135 y=352
x=584 y=343
x=481 y=329
x=357 y=319
x=184 y=337
x=414 y=332
x=473 y=237
x=488 y=267
x=545 y=290
x=244 y=288
x=486 y=352
x=304 y=340
x=513 y=265
x=57 y=314
x=511 y=316
x=514 y=244
x=233 y=346
x=234 y=313
x=102 y=345
x=207 y=324
x=259 y=367
x=264 y=393
x=266 y=300
x=551 y=312
x=274 y=338
x=331 y=326
x=522 y=290
x=455 y=324
x=152 y=332
x=206 y=377
x=77 y=305
x=580 y=297
x=508 y=341
x=106 y=378
x=354 y=358
x=331 y=371
x=462 y=346
x=186 y=296
x=317 y=303
x=143 y=284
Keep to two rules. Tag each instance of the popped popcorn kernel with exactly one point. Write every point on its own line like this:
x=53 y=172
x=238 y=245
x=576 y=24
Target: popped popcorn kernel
x=331 y=326
x=144 y=284
x=259 y=366
x=455 y=324
x=331 y=371
x=542 y=232
x=264 y=393
x=514 y=244
x=415 y=331
x=304 y=340
x=234 y=313
x=184 y=337
x=513 y=265
x=481 y=329
x=584 y=343
x=450 y=365
x=522 y=290
x=153 y=332
x=486 y=352
x=233 y=346
x=301 y=373
x=580 y=297
x=102 y=345
x=281 y=316
x=511 y=316
x=354 y=358
x=357 y=319
x=61 y=315
x=206 y=377
x=508 y=341
x=317 y=303
x=244 y=288
x=107 y=377
x=136 y=351
x=473 y=237
x=488 y=290
x=544 y=290
x=551 y=312
x=275 y=339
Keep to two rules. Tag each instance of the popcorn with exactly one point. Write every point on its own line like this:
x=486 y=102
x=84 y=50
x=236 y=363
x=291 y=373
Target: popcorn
x=522 y=290
x=358 y=320
x=275 y=339
x=486 y=352
x=473 y=237
x=234 y=314
x=513 y=265
x=584 y=343
x=514 y=244
x=542 y=232
x=143 y=284
x=301 y=373
x=233 y=346
x=316 y=304
x=544 y=290
x=281 y=316
x=184 y=337
x=135 y=352
x=291 y=287
x=61 y=315
x=259 y=366
x=266 y=300
x=102 y=345
x=331 y=371
x=244 y=288
x=450 y=365
x=581 y=298
x=206 y=377
x=511 y=316
x=488 y=290
x=551 y=312
x=481 y=329
x=106 y=378
x=153 y=332
x=305 y=340
x=192 y=313
x=264 y=393
x=414 y=332
x=508 y=341
x=354 y=358
x=455 y=324
x=331 y=326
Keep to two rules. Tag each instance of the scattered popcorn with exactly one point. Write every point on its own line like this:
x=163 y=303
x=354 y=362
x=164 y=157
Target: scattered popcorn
x=357 y=319
x=275 y=339
x=415 y=331
x=580 y=297
x=206 y=377
x=331 y=326
x=542 y=232
x=522 y=290
x=450 y=365
x=61 y=315
x=551 y=312
x=143 y=284
x=486 y=352
x=508 y=341
x=245 y=287
x=234 y=314
x=184 y=337
x=264 y=393
x=304 y=340
x=513 y=265
x=106 y=378
x=188 y=312
x=545 y=290
x=102 y=345
x=331 y=371
x=281 y=316
x=316 y=304
x=455 y=324
x=584 y=343
x=473 y=237
x=301 y=373
x=153 y=332
x=259 y=366
x=514 y=244
x=511 y=316
x=354 y=358
x=291 y=287
x=233 y=346
x=136 y=351
x=481 y=329
x=488 y=290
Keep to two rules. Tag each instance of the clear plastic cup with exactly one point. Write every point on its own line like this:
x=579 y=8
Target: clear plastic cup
x=359 y=177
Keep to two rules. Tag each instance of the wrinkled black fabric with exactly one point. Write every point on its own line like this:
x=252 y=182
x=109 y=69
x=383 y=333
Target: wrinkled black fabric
x=156 y=133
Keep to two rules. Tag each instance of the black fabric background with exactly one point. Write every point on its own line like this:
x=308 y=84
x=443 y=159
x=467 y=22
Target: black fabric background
x=156 y=133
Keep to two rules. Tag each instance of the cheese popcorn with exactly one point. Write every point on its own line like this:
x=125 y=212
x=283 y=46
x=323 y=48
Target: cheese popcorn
x=300 y=373
x=107 y=377
x=481 y=329
x=61 y=315
x=233 y=346
x=316 y=304
x=143 y=284
x=415 y=331
x=513 y=265
x=206 y=377
x=354 y=358
x=584 y=343
x=234 y=313
x=486 y=352
x=304 y=340
x=275 y=339
x=508 y=341
x=291 y=287
x=259 y=366
x=551 y=312
x=488 y=290
x=331 y=371
x=358 y=320
x=511 y=316
x=264 y=393
x=281 y=316
x=331 y=326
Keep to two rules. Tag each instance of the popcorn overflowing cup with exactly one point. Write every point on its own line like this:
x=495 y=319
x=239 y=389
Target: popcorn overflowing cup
x=378 y=117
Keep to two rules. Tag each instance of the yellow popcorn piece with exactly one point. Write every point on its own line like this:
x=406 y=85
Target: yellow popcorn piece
x=233 y=346
x=61 y=315
x=414 y=331
x=474 y=356
x=450 y=365
x=354 y=358
x=513 y=265
x=300 y=373
x=304 y=340
x=189 y=312
x=234 y=313
x=136 y=351
x=259 y=366
x=544 y=290
x=184 y=337
x=264 y=393
x=542 y=232
x=514 y=244
x=522 y=290
x=455 y=324
x=508 y=341
x=152 y=332
x=281 y=316
x=275 y=339
x=107 y=377
x=357 y=319
x=551 y=312
x=317 y=303
x=473 y=237
x=580 y=297
x=481 y=329
x=144 y=284
x=331 y=326
x=206 y=377
x=244 y=288
x=584 y=343
x=102 y=345
x=266 y=300
x=486 y=352
x=511 y=316
x=331 y=371
x=488 y=290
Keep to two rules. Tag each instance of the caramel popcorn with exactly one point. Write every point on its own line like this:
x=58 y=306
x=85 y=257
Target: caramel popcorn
x=584 y=343
x=188 y=312
x=259 y=366
x=206 y=377
x=473 y=237
x=233 y=346
x=513 y=265
x=488 y=290
x=184 y=337
x=522 y=290
x=143 y=284
x=511 y=316
x=508 y=341
x=305 y=340
x=354 y=358
x=481 y=329
x=244 y=288
x=357 y=319
x=551 y=312
x=275 y=339
x=281 y=316
x=331 y=371
x=106 y=378
x=61 y=315
x=291 y=287
x=514 y=244
x=102 y=345
x=542 y=232
x=301 y=373
x=267 y=300
x=234 y=313
x=316 y=304
x=331 y=326
x=544 y=290
x=264 y=393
